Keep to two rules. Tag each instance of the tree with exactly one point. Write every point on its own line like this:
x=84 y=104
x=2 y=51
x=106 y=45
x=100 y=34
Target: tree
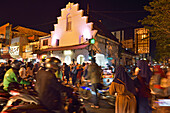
x=158 y=23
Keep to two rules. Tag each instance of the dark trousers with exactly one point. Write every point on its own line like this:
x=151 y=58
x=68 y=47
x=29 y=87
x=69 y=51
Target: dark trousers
x=74 y=78
x=143 y=105
x=95 y=87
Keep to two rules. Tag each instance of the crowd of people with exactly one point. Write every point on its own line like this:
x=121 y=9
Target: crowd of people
x=71 y=74
x=133 y=95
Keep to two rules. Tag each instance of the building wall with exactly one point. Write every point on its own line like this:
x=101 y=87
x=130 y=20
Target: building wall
x=108 y=48
x=3 y=30
x=45 y=38
x=80 y=29
x=127 y=43
x=119 y=35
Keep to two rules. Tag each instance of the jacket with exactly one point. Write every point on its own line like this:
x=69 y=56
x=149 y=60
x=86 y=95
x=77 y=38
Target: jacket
x=94 y=73
x=11 y=77
x=49 y=89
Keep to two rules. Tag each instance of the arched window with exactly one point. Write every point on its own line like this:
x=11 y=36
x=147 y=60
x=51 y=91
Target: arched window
x=68 y=23
x=67 y=60
x=80 y=59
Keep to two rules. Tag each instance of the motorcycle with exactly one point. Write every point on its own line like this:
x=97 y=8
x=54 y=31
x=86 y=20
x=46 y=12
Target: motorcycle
x=4 y=97
x=21 y=102
x=86 y=93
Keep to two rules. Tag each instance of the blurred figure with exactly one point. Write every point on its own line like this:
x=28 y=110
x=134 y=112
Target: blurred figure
x=124 y=86
x=29 y=70
x=85 y=70
x=35 y=68
x=94 y=75
x=49 y=88
x=12 y=77
x=143 y=74
x=79 y=74
x=2 y=71
x=66 y=71
x=22 y=71
x=157 y=77
x=8 y=65
x=74 y=74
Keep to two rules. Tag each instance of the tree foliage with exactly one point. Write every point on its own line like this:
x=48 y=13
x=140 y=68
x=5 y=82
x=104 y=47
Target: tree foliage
x=158 y=23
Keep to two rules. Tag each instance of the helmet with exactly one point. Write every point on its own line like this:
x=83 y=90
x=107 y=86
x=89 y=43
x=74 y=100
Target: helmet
x=52 y=63
x=16 y=64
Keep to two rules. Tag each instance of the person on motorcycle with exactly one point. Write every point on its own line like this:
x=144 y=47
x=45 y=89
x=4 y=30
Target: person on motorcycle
x=94 y=75
x=12 y=77
x=49 y=88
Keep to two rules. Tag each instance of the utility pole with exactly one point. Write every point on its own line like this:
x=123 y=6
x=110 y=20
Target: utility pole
x=88 y=8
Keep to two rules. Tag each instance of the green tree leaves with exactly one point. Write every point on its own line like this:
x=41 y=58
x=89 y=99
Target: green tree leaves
x=158 y=22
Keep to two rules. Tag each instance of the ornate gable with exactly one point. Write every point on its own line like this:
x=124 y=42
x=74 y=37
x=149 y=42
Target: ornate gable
x=72 y=27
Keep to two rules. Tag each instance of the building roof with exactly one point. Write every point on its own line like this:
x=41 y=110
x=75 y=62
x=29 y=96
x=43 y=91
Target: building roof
x=29 y=31
x=102 y=30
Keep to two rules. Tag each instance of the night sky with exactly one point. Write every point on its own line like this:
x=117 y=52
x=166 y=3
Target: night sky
x=42 y=14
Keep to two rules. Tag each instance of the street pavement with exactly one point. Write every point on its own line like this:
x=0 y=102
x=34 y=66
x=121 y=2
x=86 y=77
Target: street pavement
x=104 y=107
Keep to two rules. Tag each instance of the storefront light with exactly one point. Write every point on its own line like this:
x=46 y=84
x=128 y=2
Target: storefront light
x=67 y=52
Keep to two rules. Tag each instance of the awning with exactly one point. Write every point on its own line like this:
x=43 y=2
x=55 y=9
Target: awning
x=6 y=56
x=73 y=47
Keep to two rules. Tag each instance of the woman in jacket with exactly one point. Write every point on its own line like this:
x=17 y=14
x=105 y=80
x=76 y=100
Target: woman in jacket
x=123 y=85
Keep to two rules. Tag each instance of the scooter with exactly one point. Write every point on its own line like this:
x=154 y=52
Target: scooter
x=86 y=93
x=4 y=97
x=31 y=104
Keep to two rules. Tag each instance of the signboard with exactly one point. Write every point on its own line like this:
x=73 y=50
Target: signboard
x=5 y=50
x=28 y=48
x=14 y=50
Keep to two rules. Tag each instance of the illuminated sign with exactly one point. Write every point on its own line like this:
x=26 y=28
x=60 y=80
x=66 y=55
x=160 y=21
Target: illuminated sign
x=14 y=50
x=5 y=50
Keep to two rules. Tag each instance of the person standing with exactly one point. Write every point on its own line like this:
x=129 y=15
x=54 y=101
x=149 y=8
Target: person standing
x=124 y=86
x=22 y=71
x=74 y=74
x=79 y=74
x=142 y=81
x=29 y=70
x=66 y=71
x=35 y=68
x=94 y=75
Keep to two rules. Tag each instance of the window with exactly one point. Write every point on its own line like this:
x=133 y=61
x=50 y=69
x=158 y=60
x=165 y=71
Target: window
x=57 y=42
x=45 y=42
x=68 y=24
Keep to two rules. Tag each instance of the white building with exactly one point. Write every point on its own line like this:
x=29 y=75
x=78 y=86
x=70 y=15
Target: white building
x=69 y=40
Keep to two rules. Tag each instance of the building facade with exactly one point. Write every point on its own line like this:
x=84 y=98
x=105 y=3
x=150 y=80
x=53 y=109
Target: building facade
x=70 y=39
x=16 y=40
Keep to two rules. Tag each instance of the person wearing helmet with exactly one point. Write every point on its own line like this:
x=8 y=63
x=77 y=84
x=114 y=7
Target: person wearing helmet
x=49 y=88
x=12 y=76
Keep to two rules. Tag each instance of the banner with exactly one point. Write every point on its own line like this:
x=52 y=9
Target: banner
x=14 y=50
